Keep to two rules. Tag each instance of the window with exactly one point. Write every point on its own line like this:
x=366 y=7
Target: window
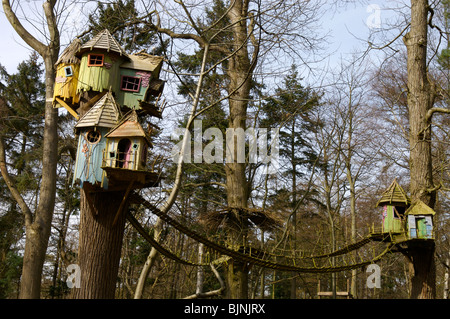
x=130 y=83
x=68 y=71
x=93 y=137
x=95 y=60
x=399 y=211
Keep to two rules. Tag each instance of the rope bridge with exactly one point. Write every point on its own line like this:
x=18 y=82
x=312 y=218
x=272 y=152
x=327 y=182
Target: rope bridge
x=250 y=258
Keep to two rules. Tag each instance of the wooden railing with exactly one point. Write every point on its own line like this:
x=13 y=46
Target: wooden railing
x=126 y=160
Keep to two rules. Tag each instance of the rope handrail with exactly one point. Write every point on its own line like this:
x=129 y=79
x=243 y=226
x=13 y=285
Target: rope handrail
x=137 y=199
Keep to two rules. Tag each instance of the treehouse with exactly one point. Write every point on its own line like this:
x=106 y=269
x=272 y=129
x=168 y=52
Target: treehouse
x=140 y=83
x=66 y=81
x=92 y=129
x=394 y=202
x=420 y=221
x=125 y=156
x=100 y=60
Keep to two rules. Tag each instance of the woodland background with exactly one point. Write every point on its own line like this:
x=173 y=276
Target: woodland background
x=344 y=139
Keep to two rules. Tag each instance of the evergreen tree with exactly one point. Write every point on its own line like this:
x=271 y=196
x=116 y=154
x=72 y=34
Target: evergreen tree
x=21 y=124
x=290 y=109
x=122 y=20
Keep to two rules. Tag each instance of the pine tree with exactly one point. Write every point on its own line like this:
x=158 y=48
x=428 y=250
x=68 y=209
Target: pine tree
x=122 y=20
x=21 y=124
x=290 y=109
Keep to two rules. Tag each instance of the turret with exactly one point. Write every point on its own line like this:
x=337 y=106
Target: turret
x=394 y=202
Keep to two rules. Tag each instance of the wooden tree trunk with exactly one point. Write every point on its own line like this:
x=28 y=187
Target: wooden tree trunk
x=100 y=244
x=420 y=100
x=422 y=269
x=38 y=226
x=240 y=74
x=38 y=231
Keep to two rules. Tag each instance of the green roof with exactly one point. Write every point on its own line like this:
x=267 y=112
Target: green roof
x=420 y=208
x=394 y=194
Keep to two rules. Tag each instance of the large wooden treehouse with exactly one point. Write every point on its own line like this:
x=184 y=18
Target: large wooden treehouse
x=109 y=92
x=114 y=97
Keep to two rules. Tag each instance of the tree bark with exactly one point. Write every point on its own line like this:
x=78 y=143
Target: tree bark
x=100 y=244
x=420 y=101
x=38 y=226
x=240 y=75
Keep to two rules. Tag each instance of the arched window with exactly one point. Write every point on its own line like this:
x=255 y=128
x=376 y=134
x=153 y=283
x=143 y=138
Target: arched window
x=124 y=153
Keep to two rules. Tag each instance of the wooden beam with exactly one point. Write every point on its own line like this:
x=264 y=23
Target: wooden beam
x=68 y=108
x=122 y=204
x=94 y=100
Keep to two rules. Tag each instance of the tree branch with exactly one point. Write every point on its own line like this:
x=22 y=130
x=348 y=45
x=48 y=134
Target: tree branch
x=434 y=110
x=21 y=31
x=12 y=186
x=170 y=33
x=52 y=26
x=217 y=292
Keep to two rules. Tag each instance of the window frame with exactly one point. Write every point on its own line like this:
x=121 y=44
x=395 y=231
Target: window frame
x=99 y=137
x=97 y=55
x=68 y=71
x=133 y=77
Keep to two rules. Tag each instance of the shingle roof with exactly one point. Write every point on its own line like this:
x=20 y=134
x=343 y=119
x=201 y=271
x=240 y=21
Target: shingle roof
x=68 y=55
x=129 y=127
x=103 y=40
x=104 y=113
x=420 y=208
x=144 y=62
x=394 y=194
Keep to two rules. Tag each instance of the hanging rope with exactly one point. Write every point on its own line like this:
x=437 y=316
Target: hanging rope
x=163 y=251
x=237 y=255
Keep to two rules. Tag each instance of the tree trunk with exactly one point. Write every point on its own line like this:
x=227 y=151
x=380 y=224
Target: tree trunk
x=38 y=232
x=100 y=244
x=240 y=75
x=420 y=100
x=38 y=229
x=422 y=269
x=446 y=294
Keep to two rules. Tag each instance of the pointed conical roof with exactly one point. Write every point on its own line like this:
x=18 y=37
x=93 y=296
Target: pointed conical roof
x=104 y=113
x=105 y=41
x=68 y=55
x=129 y=127
x=394 y=194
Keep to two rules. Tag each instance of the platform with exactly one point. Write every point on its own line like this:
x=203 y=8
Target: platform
x=120 y=178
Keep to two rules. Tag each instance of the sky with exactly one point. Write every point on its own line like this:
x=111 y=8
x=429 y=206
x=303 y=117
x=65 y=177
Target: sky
x=344 y=26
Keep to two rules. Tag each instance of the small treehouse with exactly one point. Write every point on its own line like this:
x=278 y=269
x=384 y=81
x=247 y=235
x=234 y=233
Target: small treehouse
x=66 y=81
x=394 y=202
x=140 y=83
x=420 y=221
x=402 y=221
x=92 y=129
x=101 y=58
x=125 y=155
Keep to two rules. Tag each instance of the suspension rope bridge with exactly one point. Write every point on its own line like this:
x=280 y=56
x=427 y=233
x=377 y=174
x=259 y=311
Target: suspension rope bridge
x=254 y=256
